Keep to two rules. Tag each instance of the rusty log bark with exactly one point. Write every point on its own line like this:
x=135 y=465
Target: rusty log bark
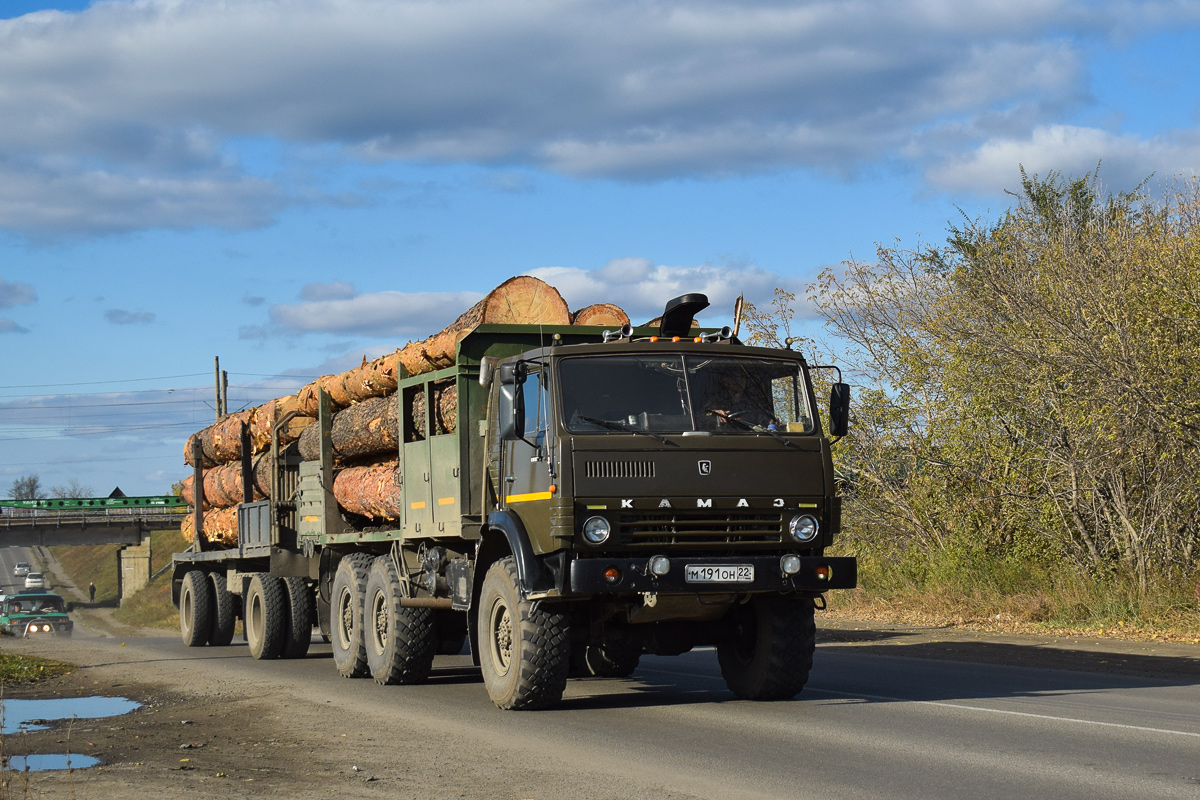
x=369 y=491
x=605 y=314
x=223 y=484
x=366 y=429
x=220 y=527
x=221 y=442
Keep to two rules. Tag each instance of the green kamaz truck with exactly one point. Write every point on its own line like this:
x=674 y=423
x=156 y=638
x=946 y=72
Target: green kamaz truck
x=605 y=494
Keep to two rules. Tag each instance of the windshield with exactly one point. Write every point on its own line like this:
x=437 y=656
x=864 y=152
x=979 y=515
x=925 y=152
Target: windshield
x=34 y=605
x=676 y=393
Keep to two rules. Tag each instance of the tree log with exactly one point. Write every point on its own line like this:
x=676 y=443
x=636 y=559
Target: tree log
x=605 y=314
x=223 y=484
x=366 y=429
x=221 y=442
x=369 y=491
x=220 y=527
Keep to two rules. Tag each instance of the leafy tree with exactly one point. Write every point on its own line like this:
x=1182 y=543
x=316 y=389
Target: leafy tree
x=1030 y=386
x=26 y=487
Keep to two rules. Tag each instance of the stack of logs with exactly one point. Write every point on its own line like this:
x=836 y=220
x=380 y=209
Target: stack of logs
x=365 y=429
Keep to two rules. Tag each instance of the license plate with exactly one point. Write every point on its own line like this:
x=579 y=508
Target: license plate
x=735 y=573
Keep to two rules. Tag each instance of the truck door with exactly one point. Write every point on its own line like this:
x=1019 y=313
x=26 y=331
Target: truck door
x=526 y=461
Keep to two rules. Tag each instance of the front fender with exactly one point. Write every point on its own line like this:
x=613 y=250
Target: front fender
x=532 y=575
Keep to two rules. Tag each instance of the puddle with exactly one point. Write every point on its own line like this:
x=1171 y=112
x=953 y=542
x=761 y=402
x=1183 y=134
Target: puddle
x=36 y=715
x=42 y=762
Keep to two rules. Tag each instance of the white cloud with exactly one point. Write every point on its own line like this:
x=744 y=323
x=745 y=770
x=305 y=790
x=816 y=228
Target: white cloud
x=129 y=109
x=415 y=315
x=336 y=290
x=10 y=326
x=1124 y=160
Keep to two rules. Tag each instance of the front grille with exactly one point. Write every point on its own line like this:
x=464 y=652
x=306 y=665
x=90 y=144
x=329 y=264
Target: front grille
x=702 y=529
x=619 y=469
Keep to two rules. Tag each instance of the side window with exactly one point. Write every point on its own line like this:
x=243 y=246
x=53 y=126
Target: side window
x=536 y=406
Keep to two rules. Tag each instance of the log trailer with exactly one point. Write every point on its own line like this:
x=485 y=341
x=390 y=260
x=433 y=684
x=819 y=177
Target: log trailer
x=605 y=494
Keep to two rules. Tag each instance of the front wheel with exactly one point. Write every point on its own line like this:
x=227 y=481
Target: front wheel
x=769 y=650
x=524 y=647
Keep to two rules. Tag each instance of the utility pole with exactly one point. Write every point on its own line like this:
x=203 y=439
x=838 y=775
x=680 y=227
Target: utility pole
x=217 y=384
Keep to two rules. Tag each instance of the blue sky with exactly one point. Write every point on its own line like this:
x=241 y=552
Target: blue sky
x=293 y=185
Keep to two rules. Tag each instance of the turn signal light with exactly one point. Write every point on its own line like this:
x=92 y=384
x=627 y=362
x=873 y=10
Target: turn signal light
x=612 y=575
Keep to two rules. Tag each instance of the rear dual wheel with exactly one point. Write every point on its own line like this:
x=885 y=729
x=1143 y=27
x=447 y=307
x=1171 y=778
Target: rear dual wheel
x=196 y=609
x=278 y=616
x=400 y=642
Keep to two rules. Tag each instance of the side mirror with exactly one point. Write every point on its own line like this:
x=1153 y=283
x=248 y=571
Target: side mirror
x=512 y=400
x=839 y=409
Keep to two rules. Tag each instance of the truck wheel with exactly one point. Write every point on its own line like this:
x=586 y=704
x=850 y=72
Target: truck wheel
x=266 y=615
x=195 y=609
x=400 y=641
x=224 y=614
x=770 y=649
x=524 y=648
x=297 y=636
x=605 y=661
x=349 y=593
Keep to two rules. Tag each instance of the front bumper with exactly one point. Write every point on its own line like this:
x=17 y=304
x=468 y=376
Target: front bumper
x=38 y=628
x=587 y=575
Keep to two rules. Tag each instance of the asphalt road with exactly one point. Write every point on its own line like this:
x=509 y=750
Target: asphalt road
x=868 y=725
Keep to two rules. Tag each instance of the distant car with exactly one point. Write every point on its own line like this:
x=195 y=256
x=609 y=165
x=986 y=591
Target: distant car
x=22 y=569
x=35 y=614
x=35 y=580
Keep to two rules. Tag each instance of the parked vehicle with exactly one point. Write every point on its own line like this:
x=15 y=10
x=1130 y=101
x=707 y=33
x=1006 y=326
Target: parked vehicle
x=35 y=614
x=35 y=580
x=601 y=495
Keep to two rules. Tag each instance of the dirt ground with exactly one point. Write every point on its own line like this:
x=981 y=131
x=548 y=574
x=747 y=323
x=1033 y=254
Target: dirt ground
x=200 y=735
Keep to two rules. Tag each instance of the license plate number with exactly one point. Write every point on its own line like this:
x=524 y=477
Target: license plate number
x=735 y=573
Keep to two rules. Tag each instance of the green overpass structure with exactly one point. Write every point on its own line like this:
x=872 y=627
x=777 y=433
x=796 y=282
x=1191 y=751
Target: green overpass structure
x=87 y=520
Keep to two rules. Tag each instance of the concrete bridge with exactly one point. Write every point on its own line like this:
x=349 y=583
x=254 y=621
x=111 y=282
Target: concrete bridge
x=38 y=528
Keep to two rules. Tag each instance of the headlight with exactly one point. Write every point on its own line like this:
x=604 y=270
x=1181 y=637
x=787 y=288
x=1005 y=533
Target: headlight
x=596 y=530
x=803 y=528
x=660 y=565
x=789 y=564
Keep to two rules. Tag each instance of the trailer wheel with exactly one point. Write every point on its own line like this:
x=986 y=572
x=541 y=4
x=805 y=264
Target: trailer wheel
x=524 y=647
x=266 y=615
x=770 y=649
x=297 y=635
x=400 y=641
x=224 y=613
x=349 y=592
x=195 y=609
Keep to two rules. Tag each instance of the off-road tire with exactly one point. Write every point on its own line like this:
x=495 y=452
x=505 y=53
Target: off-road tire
x=769 y=651
x=224 y=612
x=524 y=647
x=349 y=593
x=195 y=609
x=297 y=636
x=265 y=615
x=605 y=661
x=400 y=641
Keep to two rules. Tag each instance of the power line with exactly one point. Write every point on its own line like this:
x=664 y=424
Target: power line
x=96 y=383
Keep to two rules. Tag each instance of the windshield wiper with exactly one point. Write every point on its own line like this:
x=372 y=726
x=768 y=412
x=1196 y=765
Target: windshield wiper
x=620 y=426
x=741 y=423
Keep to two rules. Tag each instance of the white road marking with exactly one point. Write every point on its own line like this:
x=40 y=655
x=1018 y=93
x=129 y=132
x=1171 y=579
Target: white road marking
x=1004 y=711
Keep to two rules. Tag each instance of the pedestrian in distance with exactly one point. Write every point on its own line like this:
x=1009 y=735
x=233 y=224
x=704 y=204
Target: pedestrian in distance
x=91 y=592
